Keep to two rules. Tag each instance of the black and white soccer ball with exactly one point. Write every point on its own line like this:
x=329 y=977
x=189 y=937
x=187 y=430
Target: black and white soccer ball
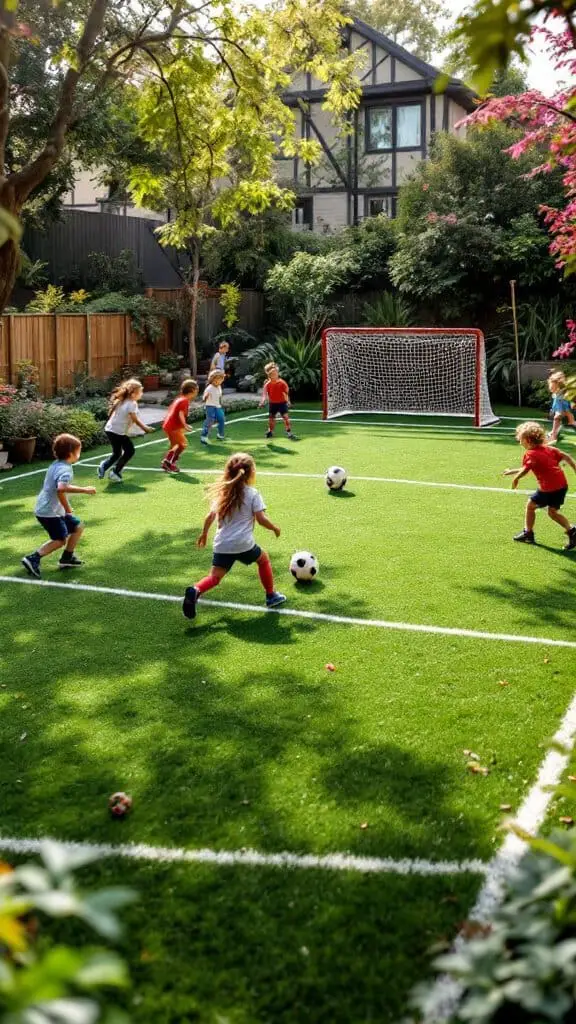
x=335 y=478
x=304 y=566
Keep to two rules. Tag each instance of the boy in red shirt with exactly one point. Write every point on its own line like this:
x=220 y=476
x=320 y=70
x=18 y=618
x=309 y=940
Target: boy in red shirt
x=544 y=462
x=277 y=392
x=175 y=425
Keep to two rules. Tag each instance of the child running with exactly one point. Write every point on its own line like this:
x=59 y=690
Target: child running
x=561 y=408
x=544 y=462
x=175 y=425
x=277 y=392
x=53 y=510
x=212 y=399
x=235 y=504
x=123 y=413
x=219 y=358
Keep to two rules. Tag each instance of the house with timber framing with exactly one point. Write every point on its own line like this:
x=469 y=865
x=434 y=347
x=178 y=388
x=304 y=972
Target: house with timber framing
x=360 y=172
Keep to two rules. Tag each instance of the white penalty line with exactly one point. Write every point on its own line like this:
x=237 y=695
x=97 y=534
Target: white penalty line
x=446 y=993
x=321 y=476
x=298 y=613
x=254 y=858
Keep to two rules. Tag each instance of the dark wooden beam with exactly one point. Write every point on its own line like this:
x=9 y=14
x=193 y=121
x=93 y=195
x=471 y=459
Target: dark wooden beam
x=325 y=146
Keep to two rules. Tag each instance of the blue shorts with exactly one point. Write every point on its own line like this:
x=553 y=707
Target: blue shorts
x=278 y=409
x=59 y=527
x=222 y=560
x=561 y=405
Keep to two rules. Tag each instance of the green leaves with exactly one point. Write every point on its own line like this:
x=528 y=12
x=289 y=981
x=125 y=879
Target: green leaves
x=10 y=228
x=491 y=34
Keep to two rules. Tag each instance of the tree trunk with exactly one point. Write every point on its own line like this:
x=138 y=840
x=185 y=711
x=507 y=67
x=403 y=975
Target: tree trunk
x=194 y=294
x=9 y=252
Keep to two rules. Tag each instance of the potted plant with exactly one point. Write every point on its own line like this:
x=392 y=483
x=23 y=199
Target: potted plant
x=169 y=363
x=149 y=374
x=20 y=429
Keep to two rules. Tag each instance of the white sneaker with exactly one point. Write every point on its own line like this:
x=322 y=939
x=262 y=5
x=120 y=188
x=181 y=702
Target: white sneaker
x=114 y=477
x=101 y=472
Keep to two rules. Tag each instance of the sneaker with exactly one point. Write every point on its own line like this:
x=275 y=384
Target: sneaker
x=274 y=599
x=189 y=605
x=526 y=537
x=269 y=434
x=221 y=437
x=32 y=564
x=69 y=561
x=571 y=539
x=115 y=477
x=101 y=471
x=292 y=437
x=173 y=467
x=165 y=465
x=203 y=440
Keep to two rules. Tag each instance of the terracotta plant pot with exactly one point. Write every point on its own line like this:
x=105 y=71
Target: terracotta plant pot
x=151 y=383
x=22 y=449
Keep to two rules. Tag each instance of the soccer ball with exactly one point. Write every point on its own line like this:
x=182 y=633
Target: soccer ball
x=120 y=804
x=304 y=566
x=335 y=478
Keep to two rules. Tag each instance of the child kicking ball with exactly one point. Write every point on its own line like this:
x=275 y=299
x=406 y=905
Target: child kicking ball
x=544 y=462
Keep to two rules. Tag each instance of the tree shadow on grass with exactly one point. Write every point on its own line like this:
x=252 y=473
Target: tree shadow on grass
x=554 y=603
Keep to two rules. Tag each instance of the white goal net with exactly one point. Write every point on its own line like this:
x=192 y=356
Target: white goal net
x=406 y=371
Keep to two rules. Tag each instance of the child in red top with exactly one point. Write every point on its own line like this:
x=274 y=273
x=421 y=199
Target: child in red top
x=175 y=425
x=277 y=392
x=544 y=462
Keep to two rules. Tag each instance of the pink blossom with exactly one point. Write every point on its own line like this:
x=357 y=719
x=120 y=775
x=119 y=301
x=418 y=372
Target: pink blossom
x=432 y=218
x=425 y=188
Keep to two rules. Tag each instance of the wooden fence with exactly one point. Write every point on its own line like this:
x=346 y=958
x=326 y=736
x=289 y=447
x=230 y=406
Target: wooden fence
x=60 y=345
x=251 y=314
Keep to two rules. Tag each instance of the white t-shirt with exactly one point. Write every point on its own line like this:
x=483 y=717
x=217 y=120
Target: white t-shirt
x=120 y=419
x=213 y=395
x=235 y=534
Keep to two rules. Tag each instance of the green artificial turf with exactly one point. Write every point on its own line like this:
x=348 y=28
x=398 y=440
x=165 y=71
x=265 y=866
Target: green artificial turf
x=230 y=732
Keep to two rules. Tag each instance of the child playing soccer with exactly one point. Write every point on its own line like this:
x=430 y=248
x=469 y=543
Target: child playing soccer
x=235 y=505
x=175 y=425
x=219 y=358
x=212 y=399
x=561 y=408
x=53 y=510
x=277 y=392
x=123 y=413
x=544 y=462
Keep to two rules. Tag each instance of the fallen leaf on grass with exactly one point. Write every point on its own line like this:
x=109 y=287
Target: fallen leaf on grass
x=330 y=667
x=477 y=769
x=505 y=807
x=546 y=661
x=503 y=682
x=474 y=929
x=23 y=737
x=471 y=754
x=566 y=820
x=572 y=778
x=364 y=825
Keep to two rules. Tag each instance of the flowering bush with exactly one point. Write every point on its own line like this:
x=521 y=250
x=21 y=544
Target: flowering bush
x=568 y=349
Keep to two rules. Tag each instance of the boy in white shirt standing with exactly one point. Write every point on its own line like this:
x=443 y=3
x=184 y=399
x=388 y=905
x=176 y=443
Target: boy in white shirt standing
x=212 y=399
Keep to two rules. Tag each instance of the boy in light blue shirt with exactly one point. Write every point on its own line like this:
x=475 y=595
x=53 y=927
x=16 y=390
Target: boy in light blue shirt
x=53 y=511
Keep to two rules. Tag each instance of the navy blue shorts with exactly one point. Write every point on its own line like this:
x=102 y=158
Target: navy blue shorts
x=278 y=409
x=59 y=527
x=221 y=560
x=552 y=499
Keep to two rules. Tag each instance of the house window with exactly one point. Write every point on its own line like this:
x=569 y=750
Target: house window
x=398 y=126
x=376 y=206
x=303 y=215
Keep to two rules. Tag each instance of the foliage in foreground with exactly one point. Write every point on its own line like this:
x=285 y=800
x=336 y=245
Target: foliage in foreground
x=299 y=362
x=42 y=983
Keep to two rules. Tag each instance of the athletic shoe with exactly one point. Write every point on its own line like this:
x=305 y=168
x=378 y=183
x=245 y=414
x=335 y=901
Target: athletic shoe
x=526 y=537
x=101 y=471
x=189 y=605
x=165 y=465
x=173 y=467
x=32 y=564
x=70 y=561
x=571 y=539
x=269 y=434
x=115 y=477
x=292 y=437
x=274 y=599
x=203 y=440
x=221 y=437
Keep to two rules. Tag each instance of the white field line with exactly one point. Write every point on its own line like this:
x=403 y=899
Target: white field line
x=446 y=992
x=298 y=613
x=321 y=476
x=254 y=858
x=89 y=460
x=422 y=427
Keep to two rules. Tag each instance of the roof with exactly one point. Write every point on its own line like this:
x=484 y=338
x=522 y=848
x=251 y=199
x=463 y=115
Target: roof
x=455 y=89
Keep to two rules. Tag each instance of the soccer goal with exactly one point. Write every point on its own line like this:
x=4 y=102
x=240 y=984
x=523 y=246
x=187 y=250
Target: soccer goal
x=405 y=371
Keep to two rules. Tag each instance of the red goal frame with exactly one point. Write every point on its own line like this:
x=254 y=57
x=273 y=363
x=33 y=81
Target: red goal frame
x=474 y=332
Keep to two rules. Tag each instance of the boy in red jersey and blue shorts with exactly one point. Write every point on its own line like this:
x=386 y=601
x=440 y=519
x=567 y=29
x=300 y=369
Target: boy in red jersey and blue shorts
x=544 y=462
x=277 y=392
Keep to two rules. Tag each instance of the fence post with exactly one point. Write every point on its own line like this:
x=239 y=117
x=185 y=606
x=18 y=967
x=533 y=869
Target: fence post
x=56 y=382
x=127 y=330
x=9 y=348
x=88 y=345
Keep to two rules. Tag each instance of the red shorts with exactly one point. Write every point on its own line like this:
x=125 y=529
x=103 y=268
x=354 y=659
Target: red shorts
x=177 y=437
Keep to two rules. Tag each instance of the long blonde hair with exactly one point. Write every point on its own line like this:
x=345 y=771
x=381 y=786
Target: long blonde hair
x=124 y=391
x=227 y=493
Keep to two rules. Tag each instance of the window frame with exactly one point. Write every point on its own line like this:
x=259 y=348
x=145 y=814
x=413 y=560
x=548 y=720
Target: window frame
x=393 y=106
x=391 y=196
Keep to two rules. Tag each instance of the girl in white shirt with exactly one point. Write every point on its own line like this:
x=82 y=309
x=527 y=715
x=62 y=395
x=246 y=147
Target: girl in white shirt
x=235 y=504
x=212 y=398
x=123 y=410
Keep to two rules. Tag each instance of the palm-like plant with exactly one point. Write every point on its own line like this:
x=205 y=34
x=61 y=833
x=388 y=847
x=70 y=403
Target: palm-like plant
x=299 y=362
x=389 y=310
